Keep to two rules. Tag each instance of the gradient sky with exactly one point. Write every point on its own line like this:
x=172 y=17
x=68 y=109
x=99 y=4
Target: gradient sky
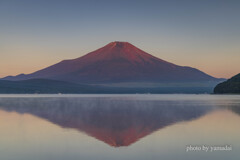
x=204 y=34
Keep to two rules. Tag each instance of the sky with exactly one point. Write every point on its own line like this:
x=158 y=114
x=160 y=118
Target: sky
x=203 y=34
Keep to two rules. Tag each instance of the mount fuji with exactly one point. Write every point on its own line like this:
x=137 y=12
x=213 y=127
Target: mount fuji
x=117 y=62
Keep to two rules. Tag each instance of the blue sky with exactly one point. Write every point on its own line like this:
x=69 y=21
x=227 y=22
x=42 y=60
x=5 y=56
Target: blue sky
x=203 y=34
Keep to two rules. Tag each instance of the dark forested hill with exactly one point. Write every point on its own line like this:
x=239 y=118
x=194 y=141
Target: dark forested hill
x=230 y=86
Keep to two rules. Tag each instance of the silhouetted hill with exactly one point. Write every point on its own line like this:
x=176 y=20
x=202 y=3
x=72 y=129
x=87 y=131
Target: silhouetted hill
x=43 y=86
x=53 y=86
x=230 y=86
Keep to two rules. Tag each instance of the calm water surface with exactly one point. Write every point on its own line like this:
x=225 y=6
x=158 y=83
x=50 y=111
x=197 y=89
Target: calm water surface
x=118 y=127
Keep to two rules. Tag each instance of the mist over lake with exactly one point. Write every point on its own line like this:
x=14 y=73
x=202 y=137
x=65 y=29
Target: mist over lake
x=137 y=127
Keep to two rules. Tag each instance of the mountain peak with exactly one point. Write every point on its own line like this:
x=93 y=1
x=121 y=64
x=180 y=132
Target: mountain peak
x=117 y=50
x=120 y=45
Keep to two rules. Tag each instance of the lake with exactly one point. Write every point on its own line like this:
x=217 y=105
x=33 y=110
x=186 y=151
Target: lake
x=120 y=127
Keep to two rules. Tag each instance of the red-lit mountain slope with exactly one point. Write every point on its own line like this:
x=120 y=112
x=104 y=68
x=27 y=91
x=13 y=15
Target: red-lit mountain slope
x=117 y=62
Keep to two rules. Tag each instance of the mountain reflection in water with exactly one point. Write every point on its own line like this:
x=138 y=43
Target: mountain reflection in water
x=114 y=121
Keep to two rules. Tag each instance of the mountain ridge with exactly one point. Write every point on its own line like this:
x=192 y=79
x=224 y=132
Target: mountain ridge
x=117 y=62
